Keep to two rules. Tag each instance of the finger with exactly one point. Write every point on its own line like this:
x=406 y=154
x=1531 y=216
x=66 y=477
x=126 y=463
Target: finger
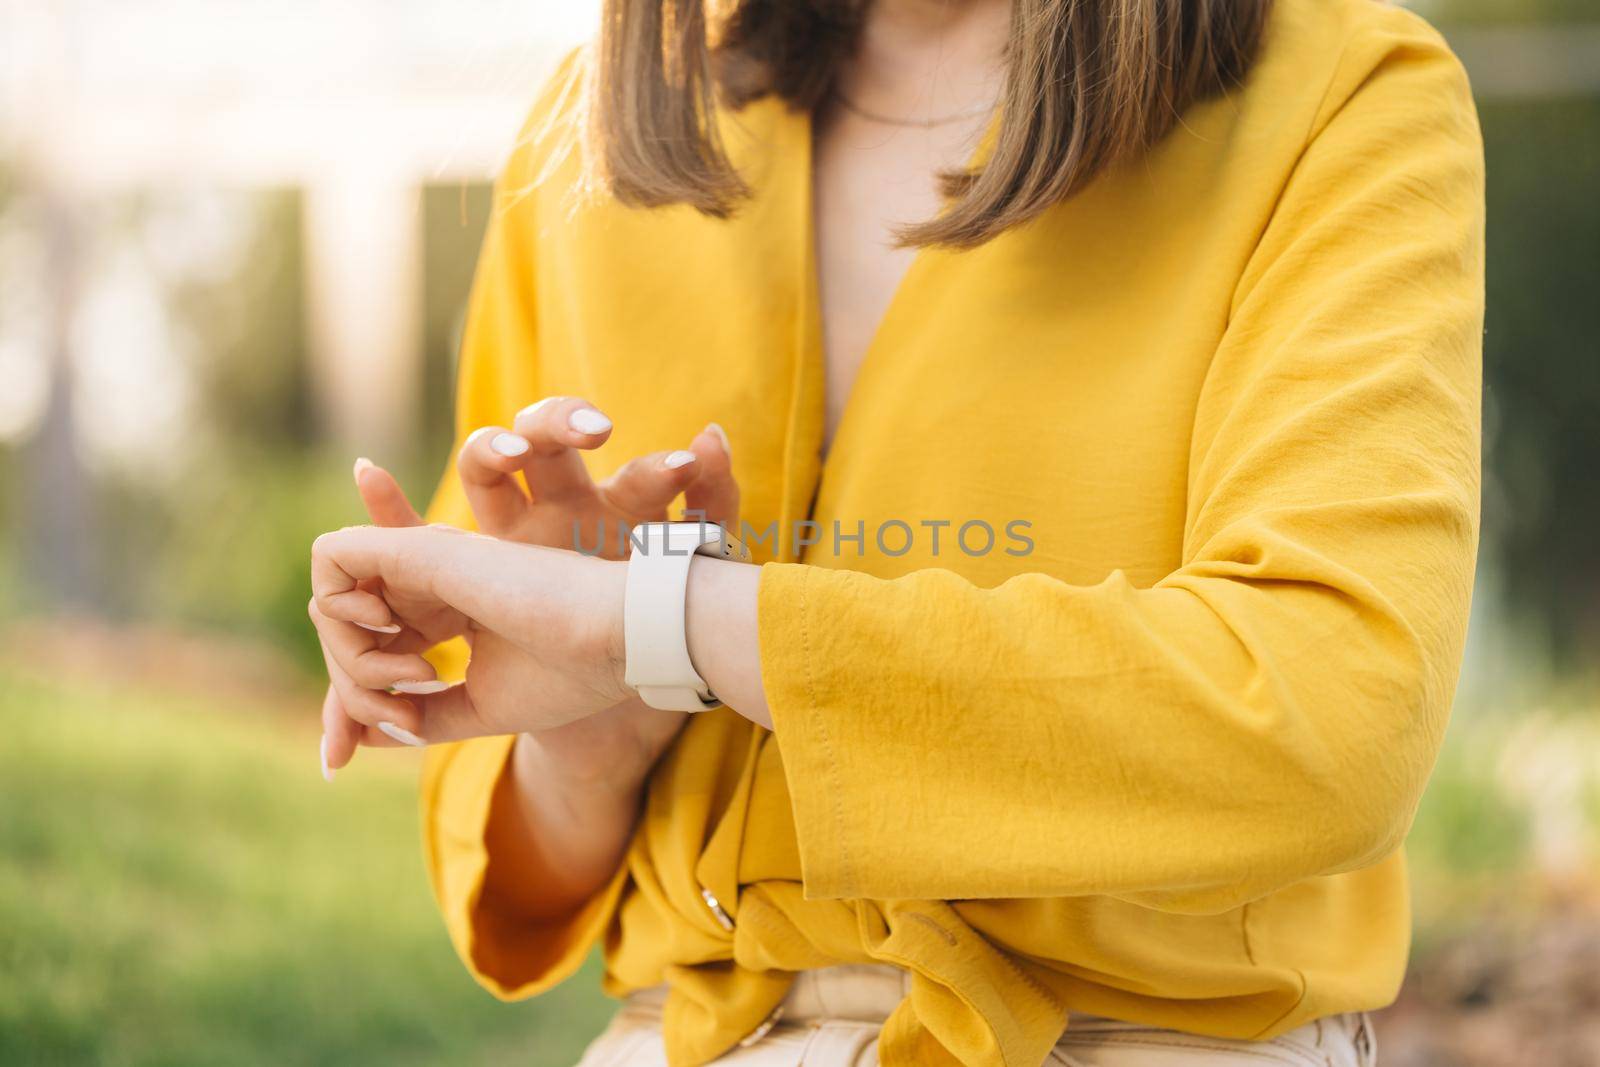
x=644 y=487
x=447 y=715
x=451 y=716
x=714 y=492
x=488 y=464
x=340 y=733
x=342 y=595
x=555 y=429
x=385 y=501
x=406 y=641
x=369 y=707
x=444 y=574
x=370 y=665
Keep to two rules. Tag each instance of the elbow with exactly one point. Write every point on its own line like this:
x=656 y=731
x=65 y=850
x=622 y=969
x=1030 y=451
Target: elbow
x=1364 y=825
x=1331 y=825
x=1364 y=796
x=1368 y=729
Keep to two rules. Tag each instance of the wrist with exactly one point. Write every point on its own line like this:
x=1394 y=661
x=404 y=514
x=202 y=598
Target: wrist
x=722 y=632
x=606 y=755
x=658 y=662
x=611 y=640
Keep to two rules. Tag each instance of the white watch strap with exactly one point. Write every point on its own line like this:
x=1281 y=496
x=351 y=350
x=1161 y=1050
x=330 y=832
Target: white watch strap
x=654 y=623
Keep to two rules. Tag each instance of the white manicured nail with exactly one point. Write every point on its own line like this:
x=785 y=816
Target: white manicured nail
x=533 y=408
x=421 y=689
x=680 y=458
x=327 y=771
x=363 y=465
x=509 y=444
x=404 y=736
x=721 y=435
x=392 y=628
x=588 y=420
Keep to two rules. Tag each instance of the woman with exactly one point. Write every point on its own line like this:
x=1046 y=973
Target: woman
x=1181 y=303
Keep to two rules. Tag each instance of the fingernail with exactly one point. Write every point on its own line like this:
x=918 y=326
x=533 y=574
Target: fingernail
x=509 y=444
x=722 y=435
x=680 y=458
x=327 y=771
x=588 y=420
x=421 y=689
x=405 y=737
x=392 y=628
x=534 y=407
x=363 y=465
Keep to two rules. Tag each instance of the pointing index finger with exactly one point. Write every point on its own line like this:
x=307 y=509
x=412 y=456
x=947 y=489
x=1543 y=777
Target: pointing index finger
x=555 y=428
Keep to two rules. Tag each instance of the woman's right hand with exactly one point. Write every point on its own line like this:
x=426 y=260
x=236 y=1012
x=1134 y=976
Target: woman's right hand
x=557 y=500
x=566 y=506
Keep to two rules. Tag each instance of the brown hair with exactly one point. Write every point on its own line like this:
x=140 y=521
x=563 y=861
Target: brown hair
x=1088 y=83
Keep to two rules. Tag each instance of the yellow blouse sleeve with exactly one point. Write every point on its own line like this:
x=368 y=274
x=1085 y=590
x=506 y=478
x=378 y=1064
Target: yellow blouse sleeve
x=1270 y=710
x=498 y=375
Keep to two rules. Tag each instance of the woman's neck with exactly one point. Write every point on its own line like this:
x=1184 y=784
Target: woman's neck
x=923 y=59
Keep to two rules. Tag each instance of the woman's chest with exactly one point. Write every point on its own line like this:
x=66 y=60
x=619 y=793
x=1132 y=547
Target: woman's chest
x=870 y=181
x=1043 y=384
x=995 y=398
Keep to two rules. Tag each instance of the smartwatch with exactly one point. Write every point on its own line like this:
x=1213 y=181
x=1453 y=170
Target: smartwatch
x=654 y=627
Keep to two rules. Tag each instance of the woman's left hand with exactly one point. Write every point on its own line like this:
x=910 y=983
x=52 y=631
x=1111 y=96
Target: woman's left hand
x=560 y=611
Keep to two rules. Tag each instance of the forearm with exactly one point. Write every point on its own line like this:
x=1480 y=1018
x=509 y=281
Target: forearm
x=566 y=806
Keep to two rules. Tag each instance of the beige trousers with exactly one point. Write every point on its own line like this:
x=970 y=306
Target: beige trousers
x=832 y=1016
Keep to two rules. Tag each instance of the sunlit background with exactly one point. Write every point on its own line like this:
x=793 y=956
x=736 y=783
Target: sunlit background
x=236 y=237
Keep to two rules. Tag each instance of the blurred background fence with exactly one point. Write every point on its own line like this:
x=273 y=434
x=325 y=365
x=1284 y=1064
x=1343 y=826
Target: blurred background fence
x=235 y=243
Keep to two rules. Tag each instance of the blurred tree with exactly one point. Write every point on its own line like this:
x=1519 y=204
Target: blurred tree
x=253 y=365
x=454 y=218
x=1542 y=365
x=57 y=547
x=1509 y=12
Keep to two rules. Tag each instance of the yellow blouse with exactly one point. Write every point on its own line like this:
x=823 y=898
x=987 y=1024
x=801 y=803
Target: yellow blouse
x=1160 y=766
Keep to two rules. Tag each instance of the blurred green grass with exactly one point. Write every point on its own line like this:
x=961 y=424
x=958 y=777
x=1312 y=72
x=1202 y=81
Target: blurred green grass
x=181 y=887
